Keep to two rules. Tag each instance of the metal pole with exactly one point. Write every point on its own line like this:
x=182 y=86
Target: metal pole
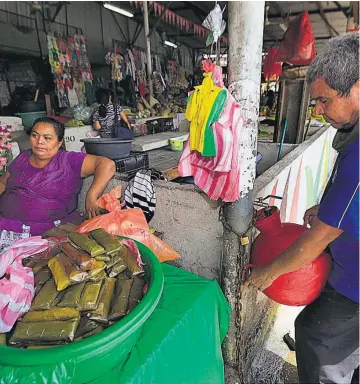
x=246 y=23
x=148 y=47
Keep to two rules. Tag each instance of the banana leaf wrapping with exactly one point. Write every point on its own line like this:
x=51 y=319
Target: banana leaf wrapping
x=120 y=300
x=42 y=276
x=47 y=298
x=72 y=296
x=101 y=313
x=37 y=333
x=53 y=314
x=31 y=261
x=90 y=296
x=88 y=245
x=111 y=245
x=81 y=259
x=86 y=325
x=114 y=260
x=100 y=276
x=40 y=264
x=102 y=258
x=136 y=293
x=40 y=346
x=117 y=269
x=65 y=272
x=2 y=339
x=97 y=330
x=130 y=262
x=97 y=268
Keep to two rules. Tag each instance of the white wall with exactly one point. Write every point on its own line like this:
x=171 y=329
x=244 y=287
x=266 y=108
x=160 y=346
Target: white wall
x=81 y=14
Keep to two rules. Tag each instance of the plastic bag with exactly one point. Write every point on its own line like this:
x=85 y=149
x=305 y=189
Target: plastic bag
x=271 y=67
x=298 y=46
x=215 y=23
x=130 y=223
x=17 y=291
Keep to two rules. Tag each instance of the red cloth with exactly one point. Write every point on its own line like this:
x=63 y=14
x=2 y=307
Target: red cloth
x=298 y=46
x=271 y=67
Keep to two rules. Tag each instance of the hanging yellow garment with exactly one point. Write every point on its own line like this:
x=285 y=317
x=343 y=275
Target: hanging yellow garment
x=204 y=108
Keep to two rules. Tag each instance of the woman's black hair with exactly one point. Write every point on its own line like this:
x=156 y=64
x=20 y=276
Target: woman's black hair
x=59 y=128
x=102 y=96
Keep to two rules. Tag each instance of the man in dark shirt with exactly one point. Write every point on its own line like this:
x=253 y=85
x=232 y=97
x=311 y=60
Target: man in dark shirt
x=327 y=331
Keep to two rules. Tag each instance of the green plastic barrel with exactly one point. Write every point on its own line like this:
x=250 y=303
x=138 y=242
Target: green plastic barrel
x=89 y=359
x=28 y=118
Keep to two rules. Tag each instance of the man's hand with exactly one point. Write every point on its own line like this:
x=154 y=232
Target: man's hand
x=92 y=209
x=310 y=214
x=260 y=278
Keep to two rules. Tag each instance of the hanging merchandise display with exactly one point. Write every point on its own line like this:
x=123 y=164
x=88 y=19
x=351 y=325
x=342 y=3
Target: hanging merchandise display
x=298 y=46
x=219 y=176
x=71 y=69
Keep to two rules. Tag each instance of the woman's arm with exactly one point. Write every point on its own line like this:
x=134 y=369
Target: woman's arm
x=96 y=125
x=124 y=117
x=103 y=170
x=3 y=182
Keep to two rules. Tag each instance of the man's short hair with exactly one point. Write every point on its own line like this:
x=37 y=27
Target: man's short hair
x=337 y=64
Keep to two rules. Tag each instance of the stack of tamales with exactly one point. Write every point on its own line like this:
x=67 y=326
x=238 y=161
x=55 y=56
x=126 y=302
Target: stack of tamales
x=91 y=283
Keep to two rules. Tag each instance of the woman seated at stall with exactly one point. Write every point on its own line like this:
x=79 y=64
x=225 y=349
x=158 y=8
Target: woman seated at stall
x=40 y=189
x=107 y=115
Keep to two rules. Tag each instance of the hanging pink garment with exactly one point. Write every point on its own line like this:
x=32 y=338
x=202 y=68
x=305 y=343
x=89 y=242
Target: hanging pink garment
x=219 y=176
x=17 y=291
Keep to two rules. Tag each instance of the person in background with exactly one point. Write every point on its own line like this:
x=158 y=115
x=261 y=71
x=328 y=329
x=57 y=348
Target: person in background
x=327 y=331
x=104 y=115
x=41 y=187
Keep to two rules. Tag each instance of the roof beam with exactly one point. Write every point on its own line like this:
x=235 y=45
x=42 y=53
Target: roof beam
x=316 y=38
x=311 y=12
x=341 y=8
x=330 y=28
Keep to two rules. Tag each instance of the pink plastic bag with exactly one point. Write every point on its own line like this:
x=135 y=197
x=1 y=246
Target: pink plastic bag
x=17 y=287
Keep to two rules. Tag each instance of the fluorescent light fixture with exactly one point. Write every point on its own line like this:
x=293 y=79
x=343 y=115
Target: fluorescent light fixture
x=170 y=44
x=118 y=10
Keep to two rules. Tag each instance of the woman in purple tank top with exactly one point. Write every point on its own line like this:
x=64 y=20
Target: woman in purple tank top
x=41 y=187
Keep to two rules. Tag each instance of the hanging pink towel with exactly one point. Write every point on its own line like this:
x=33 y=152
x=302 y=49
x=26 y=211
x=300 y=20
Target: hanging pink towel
x=17 y=291
x=219 y=176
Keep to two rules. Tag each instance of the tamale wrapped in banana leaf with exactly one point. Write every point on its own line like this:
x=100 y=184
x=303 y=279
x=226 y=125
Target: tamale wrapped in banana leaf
x=90 y=296
x=59 y=270
x=40 y=346
x=130 y=261
x=38 y=289
x=56 y=332
x=114 y=260
x=86 y=325
x=94 y=332
x=97 y=267
x=53 y=314
x=136 y=293
x=120 y=299
x=101 y=313
x=42 y=276
x=111 y=245
x=117 y=269
x=31 y=261
x=82 y=259
x=86 y=244
x=72 y=296
x=65 y=272
x=47 y=298
x=100 y=276
x=102 y=258
x=2 y=339
x=39 y=265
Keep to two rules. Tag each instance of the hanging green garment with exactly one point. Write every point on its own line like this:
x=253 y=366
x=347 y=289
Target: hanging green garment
x=203 y=109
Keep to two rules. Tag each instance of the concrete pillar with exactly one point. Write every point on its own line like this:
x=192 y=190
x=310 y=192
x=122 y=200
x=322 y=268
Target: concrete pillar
x=148 y=47
x=246 y=23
